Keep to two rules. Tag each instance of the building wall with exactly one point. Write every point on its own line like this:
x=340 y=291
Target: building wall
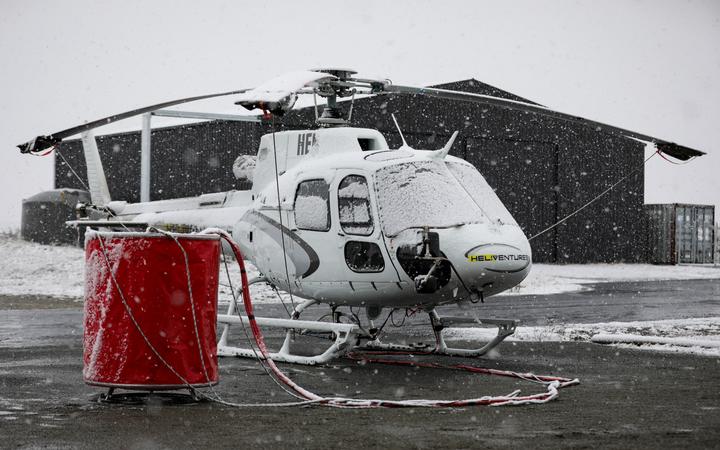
x=185 y=161
x=541 y=169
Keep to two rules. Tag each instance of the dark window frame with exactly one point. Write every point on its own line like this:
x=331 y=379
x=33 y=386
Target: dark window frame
x=340 y=200
x=369 y=244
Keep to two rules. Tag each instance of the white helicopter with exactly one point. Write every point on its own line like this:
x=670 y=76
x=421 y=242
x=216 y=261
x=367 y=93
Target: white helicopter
x=334 y=216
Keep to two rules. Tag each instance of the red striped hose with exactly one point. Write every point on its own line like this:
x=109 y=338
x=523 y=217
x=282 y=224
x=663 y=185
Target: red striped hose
x=552 y=383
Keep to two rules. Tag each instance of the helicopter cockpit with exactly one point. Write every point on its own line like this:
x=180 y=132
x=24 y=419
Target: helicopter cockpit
x=422 y=194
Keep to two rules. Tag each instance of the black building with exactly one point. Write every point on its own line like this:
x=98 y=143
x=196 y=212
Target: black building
x=542 y=169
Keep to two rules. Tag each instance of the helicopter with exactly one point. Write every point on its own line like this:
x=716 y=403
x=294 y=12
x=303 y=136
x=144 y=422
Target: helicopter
x=334 y=216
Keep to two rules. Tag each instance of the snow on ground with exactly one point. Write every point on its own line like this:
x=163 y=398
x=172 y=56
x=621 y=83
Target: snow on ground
x=545 y=279
x=34 y=269
x=697 y=336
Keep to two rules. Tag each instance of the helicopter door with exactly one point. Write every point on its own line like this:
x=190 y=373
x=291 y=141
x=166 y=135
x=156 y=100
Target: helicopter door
x=337 y=226
x=365 y=260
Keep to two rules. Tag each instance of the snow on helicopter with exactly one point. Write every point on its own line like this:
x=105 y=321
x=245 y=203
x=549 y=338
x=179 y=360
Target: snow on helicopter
x=336 y=217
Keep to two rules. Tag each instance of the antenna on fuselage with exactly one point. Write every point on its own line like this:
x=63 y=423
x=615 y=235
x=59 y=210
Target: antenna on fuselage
x=405 y=144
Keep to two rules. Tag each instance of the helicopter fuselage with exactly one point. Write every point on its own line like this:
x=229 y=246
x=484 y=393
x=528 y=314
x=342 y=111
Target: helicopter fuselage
x=334 y=215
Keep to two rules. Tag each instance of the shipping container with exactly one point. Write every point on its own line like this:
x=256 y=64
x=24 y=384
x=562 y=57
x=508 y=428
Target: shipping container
x=717 y=244
x=681 y=233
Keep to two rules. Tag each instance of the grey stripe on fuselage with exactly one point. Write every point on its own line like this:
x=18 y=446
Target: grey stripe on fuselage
x=306 y=262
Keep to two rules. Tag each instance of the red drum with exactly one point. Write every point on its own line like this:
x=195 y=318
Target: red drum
x=137 y=296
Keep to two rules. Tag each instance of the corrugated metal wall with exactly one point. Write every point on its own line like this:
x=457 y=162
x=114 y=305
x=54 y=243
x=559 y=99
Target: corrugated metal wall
x=541 y=169
x=695 y=233
x=681 y=233
x=187 y=160
x=717 y=244
x=661 y=234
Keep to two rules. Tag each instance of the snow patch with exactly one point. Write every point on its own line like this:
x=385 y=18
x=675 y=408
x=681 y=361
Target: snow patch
x=311 y=213
x=546 y=279
x=34 y=269
x=697 y=336
x=58 y=271
x=244 y=167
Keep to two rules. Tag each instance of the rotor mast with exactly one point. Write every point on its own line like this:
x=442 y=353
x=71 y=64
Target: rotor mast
x=340 y=88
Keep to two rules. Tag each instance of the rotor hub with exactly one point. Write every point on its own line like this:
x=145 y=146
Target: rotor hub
x=342 y=87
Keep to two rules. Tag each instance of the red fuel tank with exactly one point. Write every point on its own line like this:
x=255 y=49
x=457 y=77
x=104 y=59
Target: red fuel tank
x=138 y=295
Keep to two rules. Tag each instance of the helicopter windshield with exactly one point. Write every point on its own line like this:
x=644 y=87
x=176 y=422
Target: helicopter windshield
x=481 y=192
x=422 y=193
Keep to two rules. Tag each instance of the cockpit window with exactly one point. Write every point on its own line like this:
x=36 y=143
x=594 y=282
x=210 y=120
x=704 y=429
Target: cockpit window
x=367 y=144
x=354 y=206
x=422 y=193
x=312 y=206
x=481 y=192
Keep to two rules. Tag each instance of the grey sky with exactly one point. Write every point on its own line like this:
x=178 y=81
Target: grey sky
x=650 y=66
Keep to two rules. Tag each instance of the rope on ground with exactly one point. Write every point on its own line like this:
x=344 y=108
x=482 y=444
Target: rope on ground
x=552 y=384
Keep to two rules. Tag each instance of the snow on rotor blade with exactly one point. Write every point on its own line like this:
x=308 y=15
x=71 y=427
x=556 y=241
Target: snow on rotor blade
x=279 y=94
x=43 y=142
x=677 y=151
x=293 y=81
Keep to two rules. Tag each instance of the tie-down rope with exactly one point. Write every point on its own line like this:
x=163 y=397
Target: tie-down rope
x=307 y=397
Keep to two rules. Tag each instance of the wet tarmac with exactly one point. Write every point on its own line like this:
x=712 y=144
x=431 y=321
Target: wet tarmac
x=628 y=398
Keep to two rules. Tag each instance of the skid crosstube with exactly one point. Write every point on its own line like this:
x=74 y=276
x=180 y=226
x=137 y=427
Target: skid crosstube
x=345 y=339
x=506 y=327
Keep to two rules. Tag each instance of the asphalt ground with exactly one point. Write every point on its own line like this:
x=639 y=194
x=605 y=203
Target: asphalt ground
x=628 y=398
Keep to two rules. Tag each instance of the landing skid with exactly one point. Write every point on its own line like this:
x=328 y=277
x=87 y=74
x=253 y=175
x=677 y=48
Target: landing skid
x=347 y=337
x=506 y=327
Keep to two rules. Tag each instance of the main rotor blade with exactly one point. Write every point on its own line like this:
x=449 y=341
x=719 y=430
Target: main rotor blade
x=677 y=151
x=43 y=142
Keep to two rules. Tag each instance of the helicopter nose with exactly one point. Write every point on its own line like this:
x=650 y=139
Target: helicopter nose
x=489 y=260
x=492 y=268
x=498 y=258
x=500 y=261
